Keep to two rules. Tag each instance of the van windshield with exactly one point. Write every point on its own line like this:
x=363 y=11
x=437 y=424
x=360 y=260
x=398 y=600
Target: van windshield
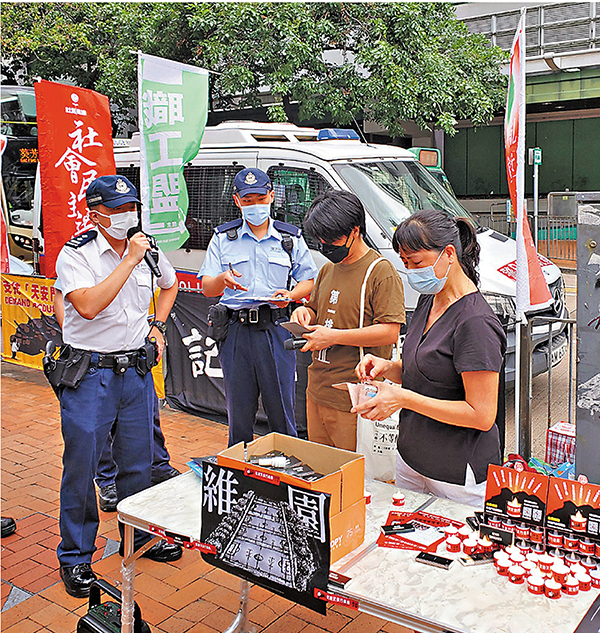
x=394 y=189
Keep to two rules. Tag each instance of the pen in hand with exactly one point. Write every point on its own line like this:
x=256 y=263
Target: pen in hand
x=234 y=284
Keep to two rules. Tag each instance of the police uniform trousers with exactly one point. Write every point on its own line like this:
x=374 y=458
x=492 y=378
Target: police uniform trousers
x=253 y=361
x=87 y=416
x=107 y=468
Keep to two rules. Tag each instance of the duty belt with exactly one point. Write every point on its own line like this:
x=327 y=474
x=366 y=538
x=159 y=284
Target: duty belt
x=251 y=316
x=117 y=361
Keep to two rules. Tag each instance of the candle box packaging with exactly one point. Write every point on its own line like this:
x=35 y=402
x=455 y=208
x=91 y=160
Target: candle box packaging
x=573 y=509
x=518 y=496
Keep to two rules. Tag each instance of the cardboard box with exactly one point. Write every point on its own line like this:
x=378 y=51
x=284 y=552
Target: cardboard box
x=344 y=480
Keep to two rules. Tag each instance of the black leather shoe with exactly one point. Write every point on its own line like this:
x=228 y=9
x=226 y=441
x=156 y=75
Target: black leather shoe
x=8 y=526
x=162 y=552
x=78 y=579
x=158 y=478
x=107 y=497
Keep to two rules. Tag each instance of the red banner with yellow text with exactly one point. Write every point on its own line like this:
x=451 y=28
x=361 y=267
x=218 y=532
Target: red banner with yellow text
x=75 y=146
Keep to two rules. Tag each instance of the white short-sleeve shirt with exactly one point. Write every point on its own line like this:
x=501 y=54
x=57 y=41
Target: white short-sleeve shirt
x=123 y=324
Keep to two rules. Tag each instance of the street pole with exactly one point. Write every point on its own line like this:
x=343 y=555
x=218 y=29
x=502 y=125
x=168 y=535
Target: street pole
x=535 y=201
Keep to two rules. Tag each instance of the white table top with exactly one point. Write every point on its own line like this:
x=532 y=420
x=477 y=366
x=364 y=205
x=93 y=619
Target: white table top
x=388 y=582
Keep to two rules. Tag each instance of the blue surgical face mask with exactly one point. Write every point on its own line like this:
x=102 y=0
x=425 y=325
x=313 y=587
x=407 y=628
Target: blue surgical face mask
x=424 y=280
x=256 y=214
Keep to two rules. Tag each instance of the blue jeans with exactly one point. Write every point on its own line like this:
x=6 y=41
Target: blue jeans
x=103 y=401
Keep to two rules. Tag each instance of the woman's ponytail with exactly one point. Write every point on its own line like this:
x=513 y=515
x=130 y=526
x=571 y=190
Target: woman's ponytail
x=469 y=258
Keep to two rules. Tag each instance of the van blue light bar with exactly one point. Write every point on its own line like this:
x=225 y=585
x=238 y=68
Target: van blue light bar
x=337 y=134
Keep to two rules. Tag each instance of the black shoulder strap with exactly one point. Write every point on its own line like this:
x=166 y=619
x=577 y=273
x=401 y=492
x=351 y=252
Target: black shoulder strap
x=83 y=238
x=231 y=228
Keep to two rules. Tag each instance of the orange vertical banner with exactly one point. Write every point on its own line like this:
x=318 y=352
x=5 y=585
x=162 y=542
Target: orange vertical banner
x=75 y=146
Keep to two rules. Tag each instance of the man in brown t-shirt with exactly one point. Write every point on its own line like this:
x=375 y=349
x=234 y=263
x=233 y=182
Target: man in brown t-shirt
x=337 y=220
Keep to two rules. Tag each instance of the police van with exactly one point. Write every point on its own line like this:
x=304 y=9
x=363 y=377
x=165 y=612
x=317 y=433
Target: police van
x=303 y=162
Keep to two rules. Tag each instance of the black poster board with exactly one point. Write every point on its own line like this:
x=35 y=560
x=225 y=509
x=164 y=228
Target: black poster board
x=268 y=532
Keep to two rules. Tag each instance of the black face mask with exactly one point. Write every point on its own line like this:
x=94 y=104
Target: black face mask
x=336 y=254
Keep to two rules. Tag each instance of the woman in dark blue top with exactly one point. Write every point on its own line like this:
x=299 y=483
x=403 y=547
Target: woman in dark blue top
x=448 y=377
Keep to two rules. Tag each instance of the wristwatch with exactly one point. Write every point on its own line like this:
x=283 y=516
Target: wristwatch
x=161 y=326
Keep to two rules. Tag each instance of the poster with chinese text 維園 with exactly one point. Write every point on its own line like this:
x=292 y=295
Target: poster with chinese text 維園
x=173 y=110
x=270 y=533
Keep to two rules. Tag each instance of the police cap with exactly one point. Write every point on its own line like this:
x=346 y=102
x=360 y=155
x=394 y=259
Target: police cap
x=251 y=180
x=111 y=191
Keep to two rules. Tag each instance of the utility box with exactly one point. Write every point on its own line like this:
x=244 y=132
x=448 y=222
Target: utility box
x=587 y=456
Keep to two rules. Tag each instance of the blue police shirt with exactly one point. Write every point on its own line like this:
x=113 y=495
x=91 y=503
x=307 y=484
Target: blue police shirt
x=264 y=264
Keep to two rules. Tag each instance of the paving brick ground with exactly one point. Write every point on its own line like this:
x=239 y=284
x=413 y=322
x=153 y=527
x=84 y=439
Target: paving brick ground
x=188 y=596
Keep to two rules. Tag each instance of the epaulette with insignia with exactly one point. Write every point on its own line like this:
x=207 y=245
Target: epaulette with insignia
x=231 y=228
x=83 y=238
x=285 y=227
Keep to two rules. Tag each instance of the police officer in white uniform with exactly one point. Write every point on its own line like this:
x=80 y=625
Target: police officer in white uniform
x=107 y=288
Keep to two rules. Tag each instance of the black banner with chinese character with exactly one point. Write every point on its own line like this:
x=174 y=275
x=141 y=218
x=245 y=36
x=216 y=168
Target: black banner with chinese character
x=194 y=380
x=273 y=535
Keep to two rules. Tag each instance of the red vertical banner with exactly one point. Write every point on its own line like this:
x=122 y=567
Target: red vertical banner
x=75 y=146
x=4 y=250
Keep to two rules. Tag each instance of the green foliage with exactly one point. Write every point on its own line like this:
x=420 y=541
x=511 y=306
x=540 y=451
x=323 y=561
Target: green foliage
x=388 y=62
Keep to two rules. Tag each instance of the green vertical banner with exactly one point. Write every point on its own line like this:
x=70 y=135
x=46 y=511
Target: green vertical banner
x=173 y=109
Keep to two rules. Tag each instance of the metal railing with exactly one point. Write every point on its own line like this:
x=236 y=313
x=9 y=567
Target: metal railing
x=526 y=379
x=556 y=238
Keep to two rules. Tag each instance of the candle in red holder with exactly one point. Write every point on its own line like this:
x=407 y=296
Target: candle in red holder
x=523 y=547
x=552 y=589
x=450 y=530
x=509 y=525
x=555 y=539
x=532 y=557
x=571 y=586
x=504 y=565
x=512 y=549
x=517 y=559
x=598 y=549
x=464 y=532
x=538 y=548
x=578 y=522
x=499 y=556
x=560 y=572
x=516 y=574
x=513 y=508
x=587 y=546
x=545 y=563
x=485 y=545
x=367 y=497
x=588 y=563
x=535 y=584
x=585 y=581
x=453 y=544
x=522 y=531
x=558 y=554
x=571 y=542
x=595 y=576
x=536 y=534
x=469 y=545
x=495 y=522
x=398 y=499
x=571 y=558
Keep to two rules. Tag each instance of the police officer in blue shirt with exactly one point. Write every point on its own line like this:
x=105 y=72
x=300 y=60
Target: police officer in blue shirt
x=251 y=261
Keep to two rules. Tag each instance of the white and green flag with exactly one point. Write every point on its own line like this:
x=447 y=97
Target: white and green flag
x=173 y=108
